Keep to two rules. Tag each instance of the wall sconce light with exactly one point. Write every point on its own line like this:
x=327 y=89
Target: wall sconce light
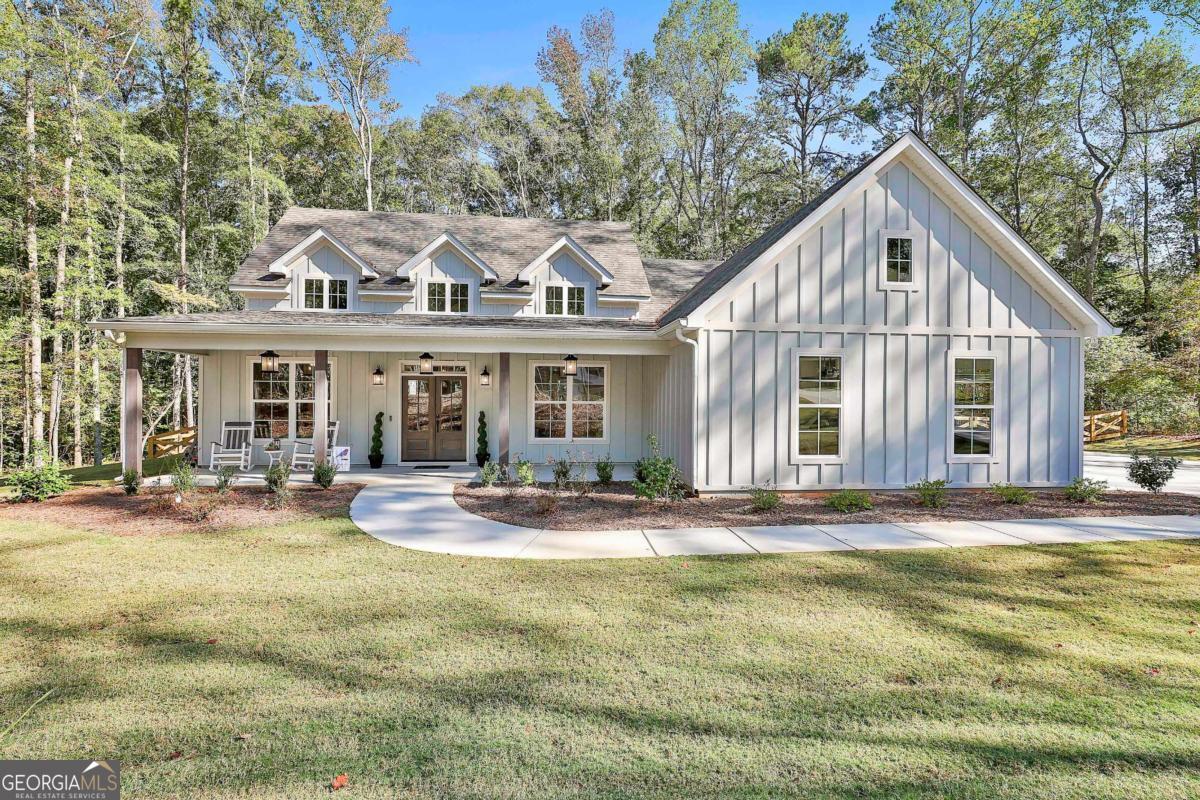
x=377 y=377
x=485 y=377
x=426 y=364
x=268 y=362
x=570 y=365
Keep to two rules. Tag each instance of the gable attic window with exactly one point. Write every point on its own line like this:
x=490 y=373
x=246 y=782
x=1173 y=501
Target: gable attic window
x=327 y=293
x=564 y=300
x=447 y=297
x=899 y=259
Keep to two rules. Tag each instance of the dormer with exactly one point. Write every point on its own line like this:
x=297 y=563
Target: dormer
x=321 y=273
x=446 y=276
x=566 y=280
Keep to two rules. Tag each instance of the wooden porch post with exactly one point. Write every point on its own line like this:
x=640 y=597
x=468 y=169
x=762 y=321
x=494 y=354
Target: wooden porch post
x=320 y=406
x=502 y=384
x=131 y=410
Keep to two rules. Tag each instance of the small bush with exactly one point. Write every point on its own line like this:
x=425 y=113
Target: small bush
x=198 y=509
x=1013 y=495
x=931 y=494
x=562 y=471
x=183 y=477
x=1152 y=473
x=764 y=498
x=131 y=481
x=849 y=501
x=324 y=473
x=545 y=504
x=604 y=470
x=35 y=484
x=1085 y=490
x=525 y=473
x=639 y=470
x=582 y=487
x=660 y=473
x=227 y=476
x=277 y=483
x=489 y=473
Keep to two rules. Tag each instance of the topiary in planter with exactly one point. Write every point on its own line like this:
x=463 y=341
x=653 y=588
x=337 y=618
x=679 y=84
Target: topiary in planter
x=375 y=456
x=481 y=441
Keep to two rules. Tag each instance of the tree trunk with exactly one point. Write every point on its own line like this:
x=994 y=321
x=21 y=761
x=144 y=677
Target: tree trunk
x=37 y=401
x=119 y=234
x=60 y=266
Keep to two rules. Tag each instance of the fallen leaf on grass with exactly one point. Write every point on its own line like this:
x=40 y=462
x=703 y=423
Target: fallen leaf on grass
x=211 y=641
x=241 y=737
x=1152 y=671
x=339 y=782
x=175 y=756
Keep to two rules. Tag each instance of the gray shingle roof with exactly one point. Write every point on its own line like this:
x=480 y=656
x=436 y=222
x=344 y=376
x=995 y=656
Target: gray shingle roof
x=397 y=321
x=670 y=279
x=386 y=240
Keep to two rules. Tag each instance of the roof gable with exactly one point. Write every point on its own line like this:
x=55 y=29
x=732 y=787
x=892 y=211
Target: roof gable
x=283 y=263
x=582 y=256
x=446 y=239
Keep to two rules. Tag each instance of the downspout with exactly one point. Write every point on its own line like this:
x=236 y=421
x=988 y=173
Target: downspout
x=695 y=345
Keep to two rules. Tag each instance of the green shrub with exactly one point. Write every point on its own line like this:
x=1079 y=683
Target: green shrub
x=660 y=475
x=639 y=470
x=227 y=476
x=525 y=473
x=1013 y=495
x=849 y=501
x=131 y=481
x=931 y=494
x=35 y=484
x=604 y=470
x=1152 y=473
x=764 y=498
x=489 y=473
x=1085 y=490
x=562 y=471
x=183 y=477
x=481 y=438
x=324 y=473
x=376 y=451
x=277 y=482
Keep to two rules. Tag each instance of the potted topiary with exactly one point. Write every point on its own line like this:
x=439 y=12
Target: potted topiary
x=481 y=442
x=375 y=456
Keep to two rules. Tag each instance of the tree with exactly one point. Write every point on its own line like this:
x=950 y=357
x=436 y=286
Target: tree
x=806 y=80
x=355 y=49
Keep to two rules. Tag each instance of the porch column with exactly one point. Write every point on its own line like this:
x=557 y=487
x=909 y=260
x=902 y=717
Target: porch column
x=131 y=409
x=502 y=385
x=320 y=405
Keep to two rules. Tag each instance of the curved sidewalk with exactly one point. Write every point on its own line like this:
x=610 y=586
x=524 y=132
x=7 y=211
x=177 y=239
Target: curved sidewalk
x=418 y=511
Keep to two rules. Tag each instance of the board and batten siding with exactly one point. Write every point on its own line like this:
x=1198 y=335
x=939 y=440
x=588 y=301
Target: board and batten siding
x=824 y=294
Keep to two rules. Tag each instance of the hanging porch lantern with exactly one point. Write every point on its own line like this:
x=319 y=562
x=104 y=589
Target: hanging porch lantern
x=377 y=377
x=485 y=377
x=570 y=365
x=426 y=364
x=268 y=362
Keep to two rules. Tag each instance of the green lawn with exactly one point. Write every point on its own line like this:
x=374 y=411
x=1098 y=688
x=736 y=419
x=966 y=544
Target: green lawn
x=1178 y=446
x=1024 y=672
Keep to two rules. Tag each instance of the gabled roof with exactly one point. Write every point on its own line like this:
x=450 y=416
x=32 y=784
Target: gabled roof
x=447 y=239
x=281 y=264
x=723 y=280
x=387 y=241
x=582 y=256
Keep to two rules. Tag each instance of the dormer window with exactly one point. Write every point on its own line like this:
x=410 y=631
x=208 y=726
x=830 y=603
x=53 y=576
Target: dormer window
x=447 y=297
x=562 y=300
x=327 y=293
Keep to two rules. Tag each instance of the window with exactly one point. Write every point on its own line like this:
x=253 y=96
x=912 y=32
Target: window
x=972 y=429
x=818 y=405
x=899 y=260
x=443 y=297
x=573 y=305
x=332 y=293
x=282 y=402
x=569 y=407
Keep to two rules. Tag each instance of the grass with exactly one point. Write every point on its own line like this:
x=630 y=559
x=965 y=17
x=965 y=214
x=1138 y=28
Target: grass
x=1179 y=446
x=261 y=663
x=102 y=475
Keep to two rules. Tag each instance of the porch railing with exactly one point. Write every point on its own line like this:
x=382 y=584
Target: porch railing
x=170 y=443
x=1101 y=425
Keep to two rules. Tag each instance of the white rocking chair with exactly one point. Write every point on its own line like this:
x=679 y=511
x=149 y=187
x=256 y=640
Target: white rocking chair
x=234 y=447
x=304 y=455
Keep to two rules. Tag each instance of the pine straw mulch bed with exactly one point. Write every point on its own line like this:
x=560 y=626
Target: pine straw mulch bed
x=154 y=510
x=614 y=507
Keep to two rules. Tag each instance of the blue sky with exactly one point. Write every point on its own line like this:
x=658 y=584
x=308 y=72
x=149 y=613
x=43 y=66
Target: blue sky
x=459 y=45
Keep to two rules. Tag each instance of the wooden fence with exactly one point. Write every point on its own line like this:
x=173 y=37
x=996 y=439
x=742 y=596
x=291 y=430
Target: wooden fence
x=1101 y=425
x=170 y=443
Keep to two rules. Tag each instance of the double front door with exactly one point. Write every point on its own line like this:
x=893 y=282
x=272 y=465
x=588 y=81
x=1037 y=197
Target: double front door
x=435 y=417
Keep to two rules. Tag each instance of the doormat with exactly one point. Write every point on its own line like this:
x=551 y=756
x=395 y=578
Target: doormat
x=433 y=466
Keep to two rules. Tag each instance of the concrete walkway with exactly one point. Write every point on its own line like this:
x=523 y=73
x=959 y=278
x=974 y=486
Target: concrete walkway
x=417 y=510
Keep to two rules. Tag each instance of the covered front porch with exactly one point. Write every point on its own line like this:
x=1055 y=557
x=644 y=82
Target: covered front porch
x=432 y=396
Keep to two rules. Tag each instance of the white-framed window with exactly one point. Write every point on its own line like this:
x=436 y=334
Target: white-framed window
x=327 y=293
x=281 y=403
x=568 y=408
x=900 y=259
x=818 y=398
x=974 y=384
x=447 y=297
x=563 y=299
